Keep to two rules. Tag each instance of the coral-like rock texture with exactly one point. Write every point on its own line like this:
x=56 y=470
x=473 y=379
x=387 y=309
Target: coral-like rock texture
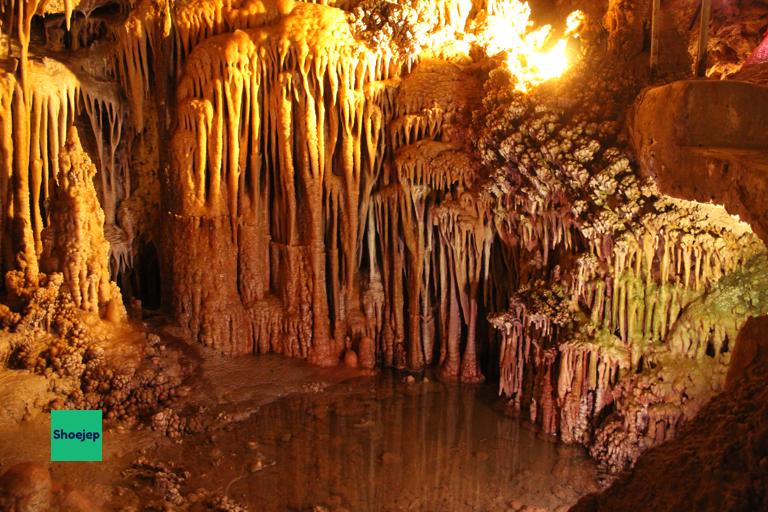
x=719 y=460
x=75 y=244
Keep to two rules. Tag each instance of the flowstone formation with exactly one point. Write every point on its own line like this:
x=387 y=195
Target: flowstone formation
x=75 y=244
x=410 y=184
x=53 y=326
x=285 y=150
x=620 y=327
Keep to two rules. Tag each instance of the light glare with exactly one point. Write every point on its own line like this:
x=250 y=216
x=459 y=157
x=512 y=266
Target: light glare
x=532 y=56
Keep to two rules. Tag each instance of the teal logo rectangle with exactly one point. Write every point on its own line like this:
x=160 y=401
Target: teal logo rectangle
x=76 y=435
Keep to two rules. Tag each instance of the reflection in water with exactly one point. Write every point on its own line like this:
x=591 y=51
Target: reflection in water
x=379 y=444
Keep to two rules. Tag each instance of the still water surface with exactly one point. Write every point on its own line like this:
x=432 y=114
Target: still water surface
x=383 y=444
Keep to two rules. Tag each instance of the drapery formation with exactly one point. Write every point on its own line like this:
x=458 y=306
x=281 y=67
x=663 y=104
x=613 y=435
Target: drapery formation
x=313 y=168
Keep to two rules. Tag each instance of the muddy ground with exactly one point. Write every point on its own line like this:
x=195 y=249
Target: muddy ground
x=270 y=433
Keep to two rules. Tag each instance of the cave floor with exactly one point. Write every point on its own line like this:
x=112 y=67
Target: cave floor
x=280 y=435
x=385 y=444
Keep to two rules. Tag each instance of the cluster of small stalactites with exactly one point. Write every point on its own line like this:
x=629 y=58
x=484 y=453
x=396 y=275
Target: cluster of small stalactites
x=381 y=24
x=652 y=406
x=409 y=26
x=640 y=259
x=672 y=381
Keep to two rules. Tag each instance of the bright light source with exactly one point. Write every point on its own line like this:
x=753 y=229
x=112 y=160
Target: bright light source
x=532 y=56
x=551 y=63
x=574 y=22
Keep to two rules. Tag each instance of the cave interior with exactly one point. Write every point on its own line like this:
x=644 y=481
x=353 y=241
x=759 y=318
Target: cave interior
x=386 y=254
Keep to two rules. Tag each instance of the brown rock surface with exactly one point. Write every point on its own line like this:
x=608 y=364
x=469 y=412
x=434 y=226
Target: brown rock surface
x=751 y=349
x=26 y=487
x=718 y=462
x=707 y=141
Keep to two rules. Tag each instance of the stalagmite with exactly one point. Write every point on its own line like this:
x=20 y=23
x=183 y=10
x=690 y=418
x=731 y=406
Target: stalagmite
x=76 y=245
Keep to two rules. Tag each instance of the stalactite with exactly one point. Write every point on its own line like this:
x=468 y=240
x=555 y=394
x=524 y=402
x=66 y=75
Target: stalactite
x=195 y=22
x=23 y=224
x=297 y=122
x=115 y=179
x=466 y=231
x=132 y=66
x=7 y=83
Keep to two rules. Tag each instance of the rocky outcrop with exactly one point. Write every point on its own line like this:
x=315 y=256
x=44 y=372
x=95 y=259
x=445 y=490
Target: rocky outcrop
x=74 y=242
x=28 y=486
x=707 y=141
x=718 y=461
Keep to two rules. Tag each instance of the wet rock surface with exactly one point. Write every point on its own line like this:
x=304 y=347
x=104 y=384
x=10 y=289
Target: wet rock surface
x=707 y=141
x=717 y=462
x=366 y=444
x=315 y=442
